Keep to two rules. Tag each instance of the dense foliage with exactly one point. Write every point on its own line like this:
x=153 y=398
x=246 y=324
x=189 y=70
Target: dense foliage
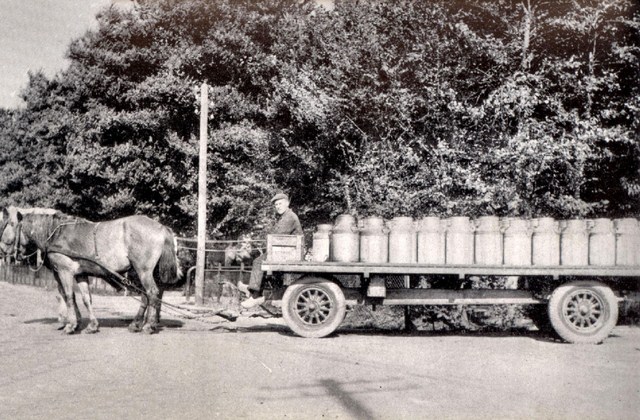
x=380 y=107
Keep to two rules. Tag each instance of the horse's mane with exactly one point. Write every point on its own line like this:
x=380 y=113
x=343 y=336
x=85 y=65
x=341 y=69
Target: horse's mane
x=35 y=210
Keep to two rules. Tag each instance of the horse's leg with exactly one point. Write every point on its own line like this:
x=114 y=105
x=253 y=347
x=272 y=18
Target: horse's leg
x=67 y=280
x=159 y=307
x=63 y=299
x=136 y=324
x=151 y=322
x=62 y=304
x=83 y=285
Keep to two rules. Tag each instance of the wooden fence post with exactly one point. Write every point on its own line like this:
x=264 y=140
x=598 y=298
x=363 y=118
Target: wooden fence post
x=202 y=194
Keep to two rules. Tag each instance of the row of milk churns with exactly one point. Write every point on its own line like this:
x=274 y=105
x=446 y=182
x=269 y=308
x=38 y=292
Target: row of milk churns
x=487 y=240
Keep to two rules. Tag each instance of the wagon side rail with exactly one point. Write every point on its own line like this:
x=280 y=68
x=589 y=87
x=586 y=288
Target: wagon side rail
x=367 y=269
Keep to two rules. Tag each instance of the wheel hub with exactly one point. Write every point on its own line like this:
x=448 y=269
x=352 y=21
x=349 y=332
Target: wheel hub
x=584 y=310
x=313 y=306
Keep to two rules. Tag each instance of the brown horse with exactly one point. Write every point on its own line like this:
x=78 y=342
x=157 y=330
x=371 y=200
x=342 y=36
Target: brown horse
x=76 y=248
x=7 y=249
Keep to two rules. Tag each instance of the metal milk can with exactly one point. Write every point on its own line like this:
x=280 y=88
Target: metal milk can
x=574 y=242
x=627 y=242
x=602 y=242
x=546 y=241
x=374 y=241
x=345 y=237
x=402 y=240
x=322 y=243
x=459 y=242
x=431 y=241
x=488 y=241
x=517 y=241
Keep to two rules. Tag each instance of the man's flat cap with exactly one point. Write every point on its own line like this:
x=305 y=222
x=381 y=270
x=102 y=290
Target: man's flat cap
x=280 y=196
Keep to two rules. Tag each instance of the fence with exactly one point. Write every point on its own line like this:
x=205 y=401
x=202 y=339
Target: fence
x=215 y=273
x=225 y=261
x=22 y=274
x=215 y=278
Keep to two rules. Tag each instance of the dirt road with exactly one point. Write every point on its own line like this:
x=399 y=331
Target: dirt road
x=262 y=371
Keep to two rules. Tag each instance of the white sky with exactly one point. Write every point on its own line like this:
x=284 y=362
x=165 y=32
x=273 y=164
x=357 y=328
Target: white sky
x=35 y=34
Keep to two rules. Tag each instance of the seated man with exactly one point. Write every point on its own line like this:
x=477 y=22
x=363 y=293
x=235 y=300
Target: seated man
x=287 y=224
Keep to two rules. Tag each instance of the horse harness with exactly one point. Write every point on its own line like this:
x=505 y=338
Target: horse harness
x=123 y=281
x=47 y=249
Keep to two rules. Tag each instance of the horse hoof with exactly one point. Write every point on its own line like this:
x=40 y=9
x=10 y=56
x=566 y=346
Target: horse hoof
x=68 y=329
x=90 y=330
x=148 y=329
x=134 y=328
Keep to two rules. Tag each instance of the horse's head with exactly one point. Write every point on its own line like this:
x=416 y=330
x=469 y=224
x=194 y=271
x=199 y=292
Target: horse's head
x=10 y=233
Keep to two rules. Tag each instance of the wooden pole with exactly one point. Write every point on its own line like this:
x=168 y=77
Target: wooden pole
x=202 y=194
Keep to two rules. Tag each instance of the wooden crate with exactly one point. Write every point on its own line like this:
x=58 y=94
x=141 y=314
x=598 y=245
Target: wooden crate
x=281 y=248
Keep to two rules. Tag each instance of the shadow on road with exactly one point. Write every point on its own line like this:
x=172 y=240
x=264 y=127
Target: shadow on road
x=230 y=327
x=351 y=404
x=108 y=322
x=350 y=395
x=534 y=335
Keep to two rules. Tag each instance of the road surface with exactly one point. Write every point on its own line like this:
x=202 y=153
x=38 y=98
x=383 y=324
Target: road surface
x=196 y=370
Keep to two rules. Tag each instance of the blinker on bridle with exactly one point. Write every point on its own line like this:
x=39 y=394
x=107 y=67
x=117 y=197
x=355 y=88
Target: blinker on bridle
x=16 y=240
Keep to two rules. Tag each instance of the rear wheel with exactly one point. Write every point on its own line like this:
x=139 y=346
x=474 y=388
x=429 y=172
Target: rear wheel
x=583 y=311
x=313 y=307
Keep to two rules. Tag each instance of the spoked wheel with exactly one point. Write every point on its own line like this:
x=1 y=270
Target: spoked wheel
x=313 y=307
x=583 y=311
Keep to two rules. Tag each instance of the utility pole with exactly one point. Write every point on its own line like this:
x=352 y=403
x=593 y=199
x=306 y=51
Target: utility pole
x=202 y=194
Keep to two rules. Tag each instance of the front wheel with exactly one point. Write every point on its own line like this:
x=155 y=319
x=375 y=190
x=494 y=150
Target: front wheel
x=313 y=307
x=583 y=312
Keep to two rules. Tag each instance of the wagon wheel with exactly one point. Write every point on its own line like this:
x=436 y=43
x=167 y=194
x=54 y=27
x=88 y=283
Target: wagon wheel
x=583 y=311
x=313 y=307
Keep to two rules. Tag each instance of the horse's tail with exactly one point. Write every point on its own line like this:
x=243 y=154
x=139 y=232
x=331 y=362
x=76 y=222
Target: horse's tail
x=168 y=268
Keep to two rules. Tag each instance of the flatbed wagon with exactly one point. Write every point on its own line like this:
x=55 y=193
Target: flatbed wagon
x=580 y=303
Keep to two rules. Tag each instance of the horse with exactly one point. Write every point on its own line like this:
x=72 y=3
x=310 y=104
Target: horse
x=8 y=252
x=75 y=248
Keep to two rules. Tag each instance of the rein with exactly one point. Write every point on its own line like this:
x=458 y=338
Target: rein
x=45 y=250
x=126 y=283
x=117 y=278
x=121 y=280
x=16 y=241
x=75 y=222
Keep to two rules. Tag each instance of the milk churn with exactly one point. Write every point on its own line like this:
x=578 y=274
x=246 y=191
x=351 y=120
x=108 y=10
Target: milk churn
x=488 y=241
x=546 y=241
x=374 y=241
x=517 y=241
x=627 y=242
x=431 y=241
x=345 y=239
x=321 y=243
x=403 y=246
x=574 y=242
x=459 y=242
x=602 y=242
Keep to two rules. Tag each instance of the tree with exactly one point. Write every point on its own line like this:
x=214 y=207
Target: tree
x=383 y=107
